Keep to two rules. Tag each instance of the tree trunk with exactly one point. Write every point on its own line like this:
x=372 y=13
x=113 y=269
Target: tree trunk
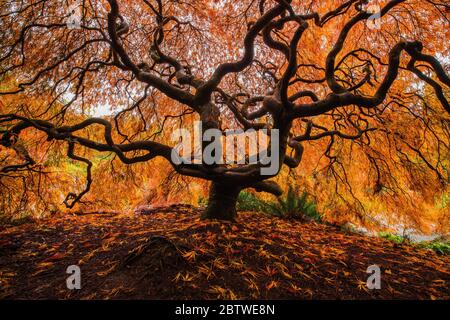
x=222 y=202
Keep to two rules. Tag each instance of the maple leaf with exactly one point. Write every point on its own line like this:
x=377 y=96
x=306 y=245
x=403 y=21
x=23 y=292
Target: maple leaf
x=362 y=285
x=294 y=289
x=190 y=256
x=272 y=284
x=55 y=257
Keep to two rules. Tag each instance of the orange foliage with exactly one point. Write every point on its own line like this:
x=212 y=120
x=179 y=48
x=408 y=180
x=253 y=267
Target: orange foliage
x=398 y=172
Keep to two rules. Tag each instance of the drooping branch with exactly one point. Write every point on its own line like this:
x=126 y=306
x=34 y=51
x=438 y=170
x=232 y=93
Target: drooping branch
x=338 y=46
x=168 y=89
x=345 y=98
x=205 y=91
x=72 y=198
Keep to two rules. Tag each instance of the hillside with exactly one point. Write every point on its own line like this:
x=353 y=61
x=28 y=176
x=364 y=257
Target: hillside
x=169 y=253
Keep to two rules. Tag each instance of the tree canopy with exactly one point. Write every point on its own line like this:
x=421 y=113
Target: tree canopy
x=357 y=89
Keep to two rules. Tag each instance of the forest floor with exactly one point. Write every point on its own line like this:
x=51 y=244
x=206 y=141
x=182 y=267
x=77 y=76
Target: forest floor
x=171 y=254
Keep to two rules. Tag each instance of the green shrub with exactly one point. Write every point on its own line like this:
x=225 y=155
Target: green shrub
x=439 y=247
x=392 y=237
x=249 y=202
x=294 y=206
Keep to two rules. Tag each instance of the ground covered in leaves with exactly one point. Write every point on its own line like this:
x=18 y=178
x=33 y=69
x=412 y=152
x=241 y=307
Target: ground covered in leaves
x=169 y=253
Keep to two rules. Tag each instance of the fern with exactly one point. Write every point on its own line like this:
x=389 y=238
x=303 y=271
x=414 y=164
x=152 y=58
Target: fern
x=294 y=206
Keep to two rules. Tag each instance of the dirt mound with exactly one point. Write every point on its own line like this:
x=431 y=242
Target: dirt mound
x=168 y=255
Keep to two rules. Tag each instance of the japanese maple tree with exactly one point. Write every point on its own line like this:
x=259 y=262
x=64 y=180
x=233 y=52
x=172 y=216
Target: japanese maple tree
x=335 y=70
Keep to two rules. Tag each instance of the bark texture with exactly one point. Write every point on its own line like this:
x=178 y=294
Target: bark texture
x=222 y=202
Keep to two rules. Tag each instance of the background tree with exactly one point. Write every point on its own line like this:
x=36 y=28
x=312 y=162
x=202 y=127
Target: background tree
x=315 y=70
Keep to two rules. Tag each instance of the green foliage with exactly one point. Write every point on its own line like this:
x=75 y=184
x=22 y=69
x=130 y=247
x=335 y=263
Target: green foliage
x=392 y=237
x=249 y=202
x=202 y=202
x=444 y=201
x=294 y=206
x=440 y=247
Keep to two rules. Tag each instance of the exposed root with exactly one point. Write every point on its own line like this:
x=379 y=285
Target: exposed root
x=155 y=254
